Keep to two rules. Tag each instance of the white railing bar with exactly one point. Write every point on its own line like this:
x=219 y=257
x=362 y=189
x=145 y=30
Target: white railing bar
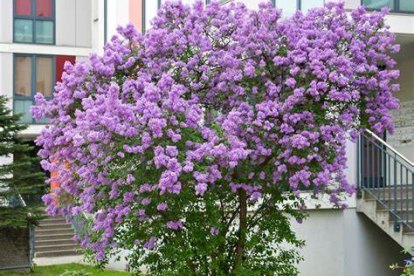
x=390 y=147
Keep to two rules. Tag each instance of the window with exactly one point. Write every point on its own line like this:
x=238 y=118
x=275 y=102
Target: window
x=32 y=74
x=34 y=21
x=378 y=4
x=394 y=5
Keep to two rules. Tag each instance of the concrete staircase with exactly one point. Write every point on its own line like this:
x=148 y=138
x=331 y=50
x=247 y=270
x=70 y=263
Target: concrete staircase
x=382 y=216
x=54 y=237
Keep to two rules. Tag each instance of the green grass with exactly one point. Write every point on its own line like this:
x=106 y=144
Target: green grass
x=56 y=270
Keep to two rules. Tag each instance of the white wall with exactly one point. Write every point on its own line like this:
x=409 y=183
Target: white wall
x=6 y=21
x=65 y=23
x=151 y=8
x=74 y=23
x=117 y=15
x=345 y=243
x=83 y=21
x=6 y=76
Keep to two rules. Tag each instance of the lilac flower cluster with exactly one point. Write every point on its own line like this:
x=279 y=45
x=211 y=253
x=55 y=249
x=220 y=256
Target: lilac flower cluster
x=213 y=97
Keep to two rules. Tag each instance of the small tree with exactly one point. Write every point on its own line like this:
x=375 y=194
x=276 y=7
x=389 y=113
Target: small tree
x=19 y=183
x=190 y=145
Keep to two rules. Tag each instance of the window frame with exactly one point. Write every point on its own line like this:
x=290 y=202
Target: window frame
x=396 y=8
x=33 y=80
x=33 y=18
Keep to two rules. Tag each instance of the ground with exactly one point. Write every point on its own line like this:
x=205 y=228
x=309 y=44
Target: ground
x=57 y=270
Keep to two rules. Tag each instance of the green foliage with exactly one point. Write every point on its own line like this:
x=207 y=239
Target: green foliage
x=407 y=268
x=195 y=251
x=56 y=270
x=19 y=182
x=75 y=273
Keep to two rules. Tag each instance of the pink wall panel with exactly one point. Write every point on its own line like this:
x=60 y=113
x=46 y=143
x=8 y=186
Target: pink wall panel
x=135 y=13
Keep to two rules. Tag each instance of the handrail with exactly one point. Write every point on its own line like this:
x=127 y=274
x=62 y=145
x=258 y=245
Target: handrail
x=387 y=176
x=390 y=147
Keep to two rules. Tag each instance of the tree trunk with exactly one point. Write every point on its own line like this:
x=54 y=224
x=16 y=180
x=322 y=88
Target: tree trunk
x=242 y=230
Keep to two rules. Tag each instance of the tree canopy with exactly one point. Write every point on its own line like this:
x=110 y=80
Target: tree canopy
x=190 y=145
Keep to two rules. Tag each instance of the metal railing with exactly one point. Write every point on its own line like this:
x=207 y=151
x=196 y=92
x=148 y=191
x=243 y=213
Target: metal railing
x=387 y=176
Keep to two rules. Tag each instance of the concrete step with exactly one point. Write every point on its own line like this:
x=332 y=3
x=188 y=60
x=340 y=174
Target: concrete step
x=383 y=219
x=53 y=220
x=59 y=236
x=54 y=226
x=401 y=203
x=56 y=247
x=56 y=253
x=54 y=242
x=42 y=232
x=387 y=196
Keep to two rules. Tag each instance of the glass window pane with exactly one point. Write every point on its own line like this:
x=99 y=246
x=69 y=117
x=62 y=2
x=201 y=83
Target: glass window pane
x=44 y=81
x=44 y=32
x=288 y=7
x=44 y=8
x=23 y=7
x=309 y=4
x=378 y=4
x=23 y=30
x=407 y=5
x=23 y=76
x=23 y=107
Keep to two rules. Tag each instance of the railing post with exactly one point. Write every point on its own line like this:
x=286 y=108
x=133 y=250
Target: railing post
x=396 y=222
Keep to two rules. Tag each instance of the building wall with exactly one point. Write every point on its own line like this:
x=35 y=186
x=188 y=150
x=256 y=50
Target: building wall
x=403 y=139
x=74 y=23
x=345 y=243
x=6 y=75
x=6 y=21
x=16 y=242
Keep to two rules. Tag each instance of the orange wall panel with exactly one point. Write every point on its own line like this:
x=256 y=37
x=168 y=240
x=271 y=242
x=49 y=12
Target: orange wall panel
x=135 y=13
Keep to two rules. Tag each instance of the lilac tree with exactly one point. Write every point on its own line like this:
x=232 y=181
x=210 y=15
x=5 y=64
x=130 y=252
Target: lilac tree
x=190 y=145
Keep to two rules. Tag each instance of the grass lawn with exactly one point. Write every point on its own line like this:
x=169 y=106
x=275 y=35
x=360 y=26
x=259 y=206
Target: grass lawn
x=56 y=270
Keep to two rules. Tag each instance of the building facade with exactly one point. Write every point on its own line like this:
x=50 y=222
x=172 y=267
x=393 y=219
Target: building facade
x=38 y=36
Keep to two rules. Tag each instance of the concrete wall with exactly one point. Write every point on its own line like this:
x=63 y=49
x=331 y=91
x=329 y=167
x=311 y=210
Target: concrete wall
x=151 y=8
x=65 y=22
x=6 y=22
x=6 y=75
x=74 y=23
x=345 y=243
x=406 y=97
x=15 y=247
